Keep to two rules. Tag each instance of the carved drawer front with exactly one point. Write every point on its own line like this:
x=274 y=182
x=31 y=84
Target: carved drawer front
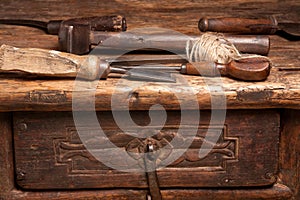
x=50 y=154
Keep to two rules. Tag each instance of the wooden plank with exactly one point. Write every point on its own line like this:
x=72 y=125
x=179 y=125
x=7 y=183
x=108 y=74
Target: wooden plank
x=47 y=143
x=290 y=151
x=277 y=192
x=78 y=195
x=280 y=90
x=6 y=154
x=178 y=15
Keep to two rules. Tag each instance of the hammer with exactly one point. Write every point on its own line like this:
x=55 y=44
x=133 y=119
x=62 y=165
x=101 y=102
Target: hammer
x=74 y=34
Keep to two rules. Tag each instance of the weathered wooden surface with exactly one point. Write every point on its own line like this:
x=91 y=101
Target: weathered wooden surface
x=290 y=151
x=92 y=194
x=181 y=16
x=277 y=192
x=6 y=154
x=280 y=90
x=245 y=155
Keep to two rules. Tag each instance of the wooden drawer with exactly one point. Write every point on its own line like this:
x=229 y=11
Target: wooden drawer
x=49 y=153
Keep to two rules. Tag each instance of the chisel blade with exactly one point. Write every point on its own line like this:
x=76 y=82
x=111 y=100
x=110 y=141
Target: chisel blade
x=290 y=28
x=150 y=75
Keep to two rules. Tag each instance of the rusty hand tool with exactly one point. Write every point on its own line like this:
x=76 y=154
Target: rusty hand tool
x=248 y=26
x=41 y=62
x=97 y=23
x=74 y=34
x=246 y=69
x=172 y=42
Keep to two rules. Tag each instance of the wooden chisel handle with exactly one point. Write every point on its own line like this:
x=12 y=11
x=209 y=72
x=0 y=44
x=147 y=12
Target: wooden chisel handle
x=247 y=69
x=51 y=63
x=238 y=25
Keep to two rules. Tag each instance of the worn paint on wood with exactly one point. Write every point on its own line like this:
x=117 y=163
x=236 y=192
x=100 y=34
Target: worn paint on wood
x=245 y=155
x=277 y=192
x=6 y=154
x=290 y=151
x=281 y=90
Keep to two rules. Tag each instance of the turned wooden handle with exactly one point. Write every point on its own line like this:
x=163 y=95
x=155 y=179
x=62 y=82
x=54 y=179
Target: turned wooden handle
x=238 y=25
x=50 y=63
x=247 y=69
x=200 y=68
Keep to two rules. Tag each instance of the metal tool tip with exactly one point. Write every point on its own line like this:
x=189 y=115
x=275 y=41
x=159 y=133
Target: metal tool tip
x=150 y=75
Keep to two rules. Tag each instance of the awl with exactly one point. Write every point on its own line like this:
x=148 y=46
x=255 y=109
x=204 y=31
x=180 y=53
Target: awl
x=49 y=63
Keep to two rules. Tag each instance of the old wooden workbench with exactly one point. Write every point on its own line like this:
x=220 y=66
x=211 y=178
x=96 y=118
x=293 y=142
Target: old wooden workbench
x=28 y=107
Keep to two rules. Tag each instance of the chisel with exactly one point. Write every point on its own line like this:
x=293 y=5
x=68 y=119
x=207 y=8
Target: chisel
x=49 y=63
x=246 y=69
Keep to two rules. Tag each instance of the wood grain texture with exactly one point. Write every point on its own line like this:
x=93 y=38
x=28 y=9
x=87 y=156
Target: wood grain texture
x=49 y=63
x=78 y=195
x=47 y=143
x=6 y=154
x=281 y=89
x=277 y=192
x=290 y=151
x=181 y=16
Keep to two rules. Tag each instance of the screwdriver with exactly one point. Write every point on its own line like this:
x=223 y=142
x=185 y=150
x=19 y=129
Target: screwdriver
x=246 y=69
x=49 y=63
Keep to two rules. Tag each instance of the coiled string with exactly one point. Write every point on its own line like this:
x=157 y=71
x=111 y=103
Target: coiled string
x=214 y=47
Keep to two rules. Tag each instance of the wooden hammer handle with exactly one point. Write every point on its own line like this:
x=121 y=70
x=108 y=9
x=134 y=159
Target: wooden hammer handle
x=238 y=25
x=49 y=63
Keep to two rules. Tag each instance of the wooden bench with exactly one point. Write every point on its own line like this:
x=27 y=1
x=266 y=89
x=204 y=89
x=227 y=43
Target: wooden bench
x=256 y=157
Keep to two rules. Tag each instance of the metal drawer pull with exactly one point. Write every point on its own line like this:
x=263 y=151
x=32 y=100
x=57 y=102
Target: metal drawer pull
x=150 y=167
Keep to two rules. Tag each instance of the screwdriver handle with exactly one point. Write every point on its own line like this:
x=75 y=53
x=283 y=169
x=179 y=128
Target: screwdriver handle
x=246 y=69
x=239 y=25
x=49 y=63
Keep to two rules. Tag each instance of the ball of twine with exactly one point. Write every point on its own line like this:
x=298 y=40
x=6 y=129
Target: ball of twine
x=211 y=47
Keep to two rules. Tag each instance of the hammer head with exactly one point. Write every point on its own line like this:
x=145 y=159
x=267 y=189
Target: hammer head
x=74 y=37
x=74 y=34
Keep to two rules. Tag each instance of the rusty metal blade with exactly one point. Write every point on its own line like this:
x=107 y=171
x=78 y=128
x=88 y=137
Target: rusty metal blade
x=290 y=28
x=145 y=75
